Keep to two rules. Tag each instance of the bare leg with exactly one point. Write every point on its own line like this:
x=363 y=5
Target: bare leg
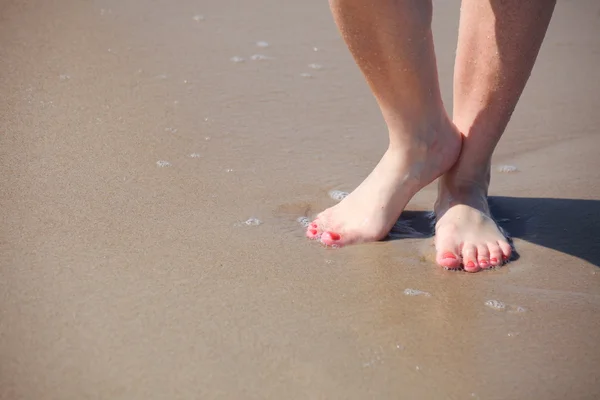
x=392 y=43
x=497 y=47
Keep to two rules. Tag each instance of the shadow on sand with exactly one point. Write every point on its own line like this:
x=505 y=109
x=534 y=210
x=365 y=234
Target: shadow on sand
x=570 y=226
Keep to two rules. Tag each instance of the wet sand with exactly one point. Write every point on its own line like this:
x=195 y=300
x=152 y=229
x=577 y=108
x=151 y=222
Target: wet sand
x=126 y=268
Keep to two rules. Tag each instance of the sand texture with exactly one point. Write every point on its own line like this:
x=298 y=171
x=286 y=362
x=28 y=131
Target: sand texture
x=155 y=160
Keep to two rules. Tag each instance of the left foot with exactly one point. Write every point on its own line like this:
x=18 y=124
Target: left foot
x=465 y=233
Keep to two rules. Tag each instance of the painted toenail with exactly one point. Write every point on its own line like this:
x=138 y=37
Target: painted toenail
x=313 y=225
x=470 y=264
x=313 y=231
x=494 y=260
x=334 y=236
x=449 y=255
x=483 y=263
x=504 y=258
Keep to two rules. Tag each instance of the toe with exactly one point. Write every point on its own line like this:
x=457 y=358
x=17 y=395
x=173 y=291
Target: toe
x=312 y=233
x=495 y=254
x=483 y=256
x=331 y=238
x=469 y=256
x=447 y=254
x=506 y=249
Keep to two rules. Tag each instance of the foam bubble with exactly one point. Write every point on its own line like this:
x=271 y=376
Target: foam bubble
x=304 y=221
x=416 y=292
x=195 y=155
x=262 y=44
x=260 y=57
x=315 y=49
x=517 y=310
x=338 y=195
x=507 y=168
x=64 y=77
x=315 y=66
x=229 y=170
x=306 y=75
x=198 y=17
x=253 y=222
x=495 y=304
x=237 y=59
x=161 y=76
x=163 y=163
x=171 y=130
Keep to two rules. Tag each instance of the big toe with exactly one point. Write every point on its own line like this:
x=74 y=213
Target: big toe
x=447 y=255
x=329 y=238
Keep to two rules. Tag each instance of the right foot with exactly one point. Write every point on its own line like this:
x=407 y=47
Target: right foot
x=465 y=233
x=370 y=211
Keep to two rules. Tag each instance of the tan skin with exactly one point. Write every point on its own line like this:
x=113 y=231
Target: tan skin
x=392 y=43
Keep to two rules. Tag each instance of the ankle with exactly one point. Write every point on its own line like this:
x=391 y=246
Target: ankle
x=455 y=189
x=421 y=135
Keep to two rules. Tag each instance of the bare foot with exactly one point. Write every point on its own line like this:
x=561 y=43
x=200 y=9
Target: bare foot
x=369 y=212
x=465 y=233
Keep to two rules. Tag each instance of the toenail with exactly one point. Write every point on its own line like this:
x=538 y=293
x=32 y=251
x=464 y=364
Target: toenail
x=313 y=225
x=504 y=258
x=334 y=236
x=313 y=231
x=470 y=264
x=493 y=260
x=449 y=255
x=483 y=262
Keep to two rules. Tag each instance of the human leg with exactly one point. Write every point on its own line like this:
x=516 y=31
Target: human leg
x=392 y=43
x=497 y=47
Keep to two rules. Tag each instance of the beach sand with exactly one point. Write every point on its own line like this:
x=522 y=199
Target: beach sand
x=135 y=146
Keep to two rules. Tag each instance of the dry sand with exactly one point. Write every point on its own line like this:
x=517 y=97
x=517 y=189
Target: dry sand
x=124 y=279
